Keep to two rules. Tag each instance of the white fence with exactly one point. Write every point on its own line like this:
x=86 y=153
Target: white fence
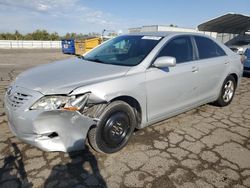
x=29 y=44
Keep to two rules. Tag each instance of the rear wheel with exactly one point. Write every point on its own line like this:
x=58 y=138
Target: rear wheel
x=227 y=92
x=116 y=125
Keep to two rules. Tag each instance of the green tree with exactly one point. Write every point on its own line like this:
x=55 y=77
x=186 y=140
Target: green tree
x=70 y=35
x=8 y=36
x=44 y=35
x=54 y=36
x=18 y=36
x=40 y=35
x=28 y=36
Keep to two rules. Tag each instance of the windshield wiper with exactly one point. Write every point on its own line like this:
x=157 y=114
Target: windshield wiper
x=80 y=57
x=95 y=60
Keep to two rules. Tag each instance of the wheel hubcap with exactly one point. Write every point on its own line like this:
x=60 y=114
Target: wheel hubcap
x=228 y=91
x=116 y=129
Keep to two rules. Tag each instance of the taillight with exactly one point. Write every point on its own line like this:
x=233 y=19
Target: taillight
x=243 y=59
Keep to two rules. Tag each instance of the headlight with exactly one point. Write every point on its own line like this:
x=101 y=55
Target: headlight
x=73 y=103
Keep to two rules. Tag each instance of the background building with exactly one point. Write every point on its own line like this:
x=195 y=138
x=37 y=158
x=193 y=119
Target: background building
x=156 y=28
x=229 y=28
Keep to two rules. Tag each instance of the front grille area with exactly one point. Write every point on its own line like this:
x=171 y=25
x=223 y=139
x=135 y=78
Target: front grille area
x=17 y=99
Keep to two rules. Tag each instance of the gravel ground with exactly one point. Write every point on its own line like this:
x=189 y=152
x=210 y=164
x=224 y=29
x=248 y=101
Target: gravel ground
x=205 y=147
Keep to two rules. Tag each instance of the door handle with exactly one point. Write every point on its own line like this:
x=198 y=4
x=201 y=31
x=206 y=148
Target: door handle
x=226 y=62
x=195 y=69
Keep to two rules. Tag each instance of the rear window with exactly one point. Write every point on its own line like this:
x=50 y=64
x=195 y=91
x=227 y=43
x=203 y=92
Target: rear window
x=208 y=48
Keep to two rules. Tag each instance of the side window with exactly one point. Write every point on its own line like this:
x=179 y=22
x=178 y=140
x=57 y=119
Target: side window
x=180 y=48
x=208 y=48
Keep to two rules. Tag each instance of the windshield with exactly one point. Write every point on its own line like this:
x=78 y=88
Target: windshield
x=123 y=50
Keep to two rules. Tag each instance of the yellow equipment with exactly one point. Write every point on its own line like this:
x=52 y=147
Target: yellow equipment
x=84 y=45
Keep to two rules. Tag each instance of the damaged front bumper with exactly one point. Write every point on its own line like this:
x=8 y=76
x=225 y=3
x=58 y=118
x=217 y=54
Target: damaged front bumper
x=57 y=130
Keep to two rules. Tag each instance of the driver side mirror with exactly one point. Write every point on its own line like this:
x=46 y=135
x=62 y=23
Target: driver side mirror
x=165 y=61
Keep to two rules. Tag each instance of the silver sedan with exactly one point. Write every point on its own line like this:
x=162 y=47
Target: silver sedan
x=129 y=82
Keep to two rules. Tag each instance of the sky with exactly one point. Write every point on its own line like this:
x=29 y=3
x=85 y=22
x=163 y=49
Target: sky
x=84 y=16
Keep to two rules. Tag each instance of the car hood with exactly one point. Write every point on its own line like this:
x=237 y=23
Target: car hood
x=62 y=77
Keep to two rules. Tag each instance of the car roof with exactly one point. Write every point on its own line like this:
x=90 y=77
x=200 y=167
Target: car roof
x=166 y=33
x=157 y=34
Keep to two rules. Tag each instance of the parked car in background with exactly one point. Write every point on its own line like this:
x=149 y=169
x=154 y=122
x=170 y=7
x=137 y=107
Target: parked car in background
x=247 y=61
x=128 y=82
x=240 y=47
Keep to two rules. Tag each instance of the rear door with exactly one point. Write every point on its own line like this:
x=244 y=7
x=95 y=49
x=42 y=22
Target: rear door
x=174 y=88
x=213 y=67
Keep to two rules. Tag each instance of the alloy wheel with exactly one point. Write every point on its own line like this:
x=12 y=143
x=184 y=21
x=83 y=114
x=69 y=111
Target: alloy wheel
x=228 y=91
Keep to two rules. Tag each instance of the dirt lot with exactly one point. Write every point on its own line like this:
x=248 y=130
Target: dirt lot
x=205 y=147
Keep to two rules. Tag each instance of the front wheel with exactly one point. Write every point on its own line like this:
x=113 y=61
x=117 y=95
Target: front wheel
x=227 y=92
x=116 y=125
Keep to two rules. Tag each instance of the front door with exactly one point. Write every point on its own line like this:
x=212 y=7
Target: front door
x=174 y=88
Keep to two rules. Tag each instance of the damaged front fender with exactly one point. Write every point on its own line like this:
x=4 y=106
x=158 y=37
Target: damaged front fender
x=70 y=130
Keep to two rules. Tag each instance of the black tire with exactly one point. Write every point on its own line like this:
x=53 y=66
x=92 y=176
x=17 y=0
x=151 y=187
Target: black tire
x=112 y=132
x=226 y=94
